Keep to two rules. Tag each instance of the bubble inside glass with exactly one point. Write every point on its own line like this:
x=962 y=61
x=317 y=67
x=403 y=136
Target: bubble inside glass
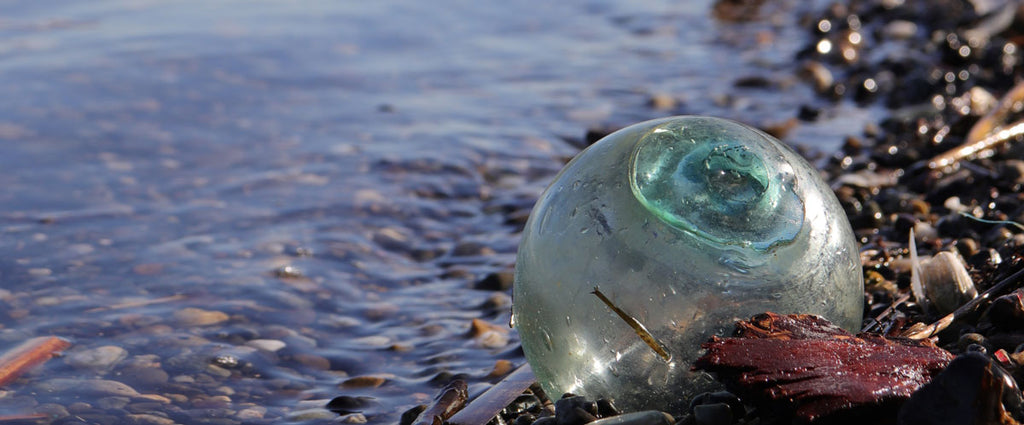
x=685 y=224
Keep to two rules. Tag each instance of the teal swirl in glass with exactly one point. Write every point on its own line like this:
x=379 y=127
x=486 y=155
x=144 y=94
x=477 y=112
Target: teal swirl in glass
x=685 y=225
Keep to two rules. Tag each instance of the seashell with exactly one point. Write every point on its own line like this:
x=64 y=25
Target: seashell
x=663 y=234
x=940 y=282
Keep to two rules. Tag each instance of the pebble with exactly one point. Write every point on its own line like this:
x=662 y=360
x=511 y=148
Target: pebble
x=649 y=417
x=251 y=413
x=191 y=316
x=99 y=358
x=270 y=345
x=310 y=415
x=97 y=387
x=364 y=382
x=148 y=419
x=497 y=281
x=355 y=418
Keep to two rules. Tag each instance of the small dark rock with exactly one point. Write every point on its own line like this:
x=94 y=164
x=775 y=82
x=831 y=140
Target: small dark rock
x=410 y=415
x=497 y=281
x=546 y=420
x=971 y=390
x=712 y=414
x=720 y=397
x=344 y=405
x=1007 y=311
x=605 y=408
x=575 y=410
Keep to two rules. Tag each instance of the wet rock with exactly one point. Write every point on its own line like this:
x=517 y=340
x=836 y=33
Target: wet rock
x=649 y=417
x=310 y=415
x=270 y=345
x=713 y=414
x=99 y=359
x=410 y=415
x=191 y=316
x=575 y=410
x=497 y=281
x=149 y=419
x=972 y=390
x=96 y=387
x=720 y=397
x=1007 y=312
x=351 y=404
x=364 y=382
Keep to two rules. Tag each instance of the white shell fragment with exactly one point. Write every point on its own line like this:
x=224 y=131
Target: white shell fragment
x=940 y=282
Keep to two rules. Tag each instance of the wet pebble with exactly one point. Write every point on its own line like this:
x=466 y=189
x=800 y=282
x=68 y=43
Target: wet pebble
x=649 y=417
x=575 y=410
x=497 y=281
x=270 y=345
x=99 y=359
x=97 y=387
x=148 y=419
x=191 y=316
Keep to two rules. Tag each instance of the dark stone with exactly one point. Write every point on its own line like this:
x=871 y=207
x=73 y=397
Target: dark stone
x=575 y=410
x=720 y=397
x=605 y=408
x=972 y=390
x=546 y=420
x=713 y=414
x=344 y=405
x=410 y=415
x=497 y=281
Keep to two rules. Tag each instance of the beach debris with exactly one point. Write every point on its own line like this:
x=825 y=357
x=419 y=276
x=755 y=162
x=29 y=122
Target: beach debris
x=923 y=331
x=485 y=407
x=972 y=390
x=941 y=281
x=29 y=354
x=1003 y=124
x=804 y=366
x=449 y=400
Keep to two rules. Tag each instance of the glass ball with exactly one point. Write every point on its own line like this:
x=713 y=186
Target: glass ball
x=685 y=225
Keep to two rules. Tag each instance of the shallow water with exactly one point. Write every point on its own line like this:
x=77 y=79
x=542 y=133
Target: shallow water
x=333 y=176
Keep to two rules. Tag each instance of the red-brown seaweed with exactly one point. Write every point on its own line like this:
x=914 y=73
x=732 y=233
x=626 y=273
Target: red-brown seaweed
x=804 y=366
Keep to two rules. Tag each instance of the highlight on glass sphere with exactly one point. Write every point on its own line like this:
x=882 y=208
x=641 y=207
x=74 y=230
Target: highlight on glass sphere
x=663 y=234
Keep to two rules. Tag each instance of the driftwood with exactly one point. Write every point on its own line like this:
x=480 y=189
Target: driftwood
x=485 y=407
x=18 y=360
x=804 y=366
x=450 y=400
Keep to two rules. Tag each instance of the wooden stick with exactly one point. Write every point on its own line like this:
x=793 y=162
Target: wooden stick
x=20 y=359
x=487 y=405
x=989 y=132
x=928 y=331
x=450 y=400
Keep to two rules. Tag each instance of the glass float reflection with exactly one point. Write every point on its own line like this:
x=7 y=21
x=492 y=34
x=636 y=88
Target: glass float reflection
x=685 y=225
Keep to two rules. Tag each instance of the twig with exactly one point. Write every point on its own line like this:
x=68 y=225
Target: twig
x=485 y=407
x=450 y=400
x=928 y=331
x=27 y=355
x=638 y=327
x=988 y=133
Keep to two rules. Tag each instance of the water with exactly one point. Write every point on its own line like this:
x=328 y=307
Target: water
x=333 y=175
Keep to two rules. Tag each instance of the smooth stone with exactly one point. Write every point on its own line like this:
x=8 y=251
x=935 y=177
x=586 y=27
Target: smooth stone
x=147 y=419
x=251 y=413
x=99 y=358
x=98 y=387
x=310 y=415
x=191 y=316
x=270 y=345
x=647 y=417
x=713 y=414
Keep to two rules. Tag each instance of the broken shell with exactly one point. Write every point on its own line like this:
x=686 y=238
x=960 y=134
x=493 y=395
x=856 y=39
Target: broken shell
x=940 y=282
